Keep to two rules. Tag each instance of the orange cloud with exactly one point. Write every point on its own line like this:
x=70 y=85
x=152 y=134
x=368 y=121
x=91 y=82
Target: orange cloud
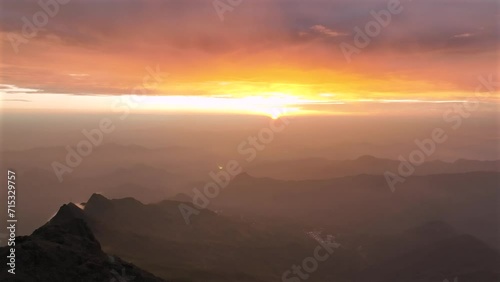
x=262 y=47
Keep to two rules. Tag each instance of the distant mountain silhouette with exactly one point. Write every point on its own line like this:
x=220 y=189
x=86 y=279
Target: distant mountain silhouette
x=181 y=197
x=317 y=168
x=106 y=157
x=65 y=249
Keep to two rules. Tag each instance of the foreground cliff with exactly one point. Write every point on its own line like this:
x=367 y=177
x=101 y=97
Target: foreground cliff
x=65 y=249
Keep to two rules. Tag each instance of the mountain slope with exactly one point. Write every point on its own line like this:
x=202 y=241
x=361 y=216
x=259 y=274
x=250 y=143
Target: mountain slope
x=461 y=256
x=364 y=203
x=211 y=248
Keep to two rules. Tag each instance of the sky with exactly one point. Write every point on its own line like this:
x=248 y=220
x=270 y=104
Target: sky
x=232 y=55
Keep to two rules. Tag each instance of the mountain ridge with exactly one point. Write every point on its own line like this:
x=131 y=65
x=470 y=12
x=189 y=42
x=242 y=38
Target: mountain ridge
x=65 y=249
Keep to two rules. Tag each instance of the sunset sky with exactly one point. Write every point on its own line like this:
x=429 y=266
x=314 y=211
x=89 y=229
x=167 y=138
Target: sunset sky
x=272 y=52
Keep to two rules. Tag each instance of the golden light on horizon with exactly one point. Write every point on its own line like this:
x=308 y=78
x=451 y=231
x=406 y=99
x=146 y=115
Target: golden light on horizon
x=273 y=100
x=273 y=105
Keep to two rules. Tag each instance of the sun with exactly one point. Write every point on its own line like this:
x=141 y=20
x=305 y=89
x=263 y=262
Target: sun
x=273 y=104
x=277 y=112
x=276 y=116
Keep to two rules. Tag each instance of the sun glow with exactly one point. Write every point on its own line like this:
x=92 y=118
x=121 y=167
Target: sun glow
x=273 y=105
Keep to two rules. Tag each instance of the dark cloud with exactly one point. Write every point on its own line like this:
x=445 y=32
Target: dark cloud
x=195 y=24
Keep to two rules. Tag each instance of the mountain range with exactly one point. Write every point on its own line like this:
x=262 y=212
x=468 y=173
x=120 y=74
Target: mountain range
x=103 y=239
x=364 y=203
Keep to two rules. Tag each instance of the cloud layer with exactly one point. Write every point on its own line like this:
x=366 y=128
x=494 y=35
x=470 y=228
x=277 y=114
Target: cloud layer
x=97 y=47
